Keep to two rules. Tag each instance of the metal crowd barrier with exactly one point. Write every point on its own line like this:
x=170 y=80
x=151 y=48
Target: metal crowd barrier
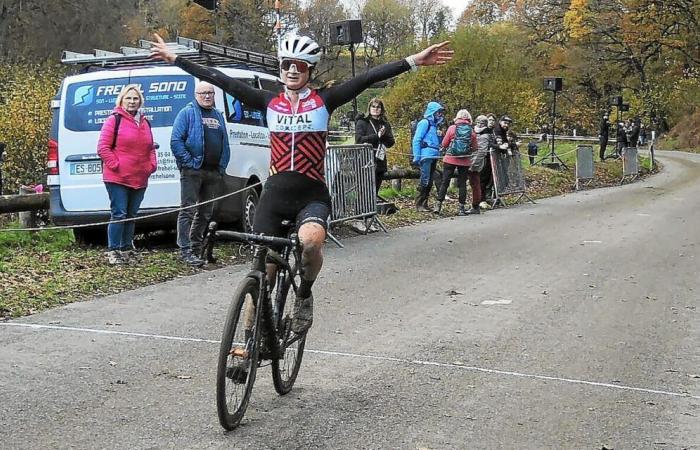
x=351 y=181
x=584 y=165
x=508 y=176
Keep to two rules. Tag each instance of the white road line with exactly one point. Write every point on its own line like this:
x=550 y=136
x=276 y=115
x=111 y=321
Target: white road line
x=374 y=357
x=94 y=330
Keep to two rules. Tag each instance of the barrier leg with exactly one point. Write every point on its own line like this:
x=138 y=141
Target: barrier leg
x=372 y=220
x=335 y=240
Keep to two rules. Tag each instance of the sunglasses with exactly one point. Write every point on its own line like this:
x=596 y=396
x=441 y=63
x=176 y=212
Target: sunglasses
x=301 y=66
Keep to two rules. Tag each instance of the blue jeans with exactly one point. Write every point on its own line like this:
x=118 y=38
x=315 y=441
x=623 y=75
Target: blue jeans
x=124 y=203
x=427 y=167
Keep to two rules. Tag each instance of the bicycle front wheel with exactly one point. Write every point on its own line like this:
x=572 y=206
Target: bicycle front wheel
x=238 y=354
x=291 y=345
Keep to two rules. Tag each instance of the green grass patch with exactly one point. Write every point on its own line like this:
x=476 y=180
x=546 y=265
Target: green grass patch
x=44 y=269
x=50 y=241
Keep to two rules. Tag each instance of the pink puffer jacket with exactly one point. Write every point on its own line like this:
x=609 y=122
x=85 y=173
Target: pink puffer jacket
x=133 y=158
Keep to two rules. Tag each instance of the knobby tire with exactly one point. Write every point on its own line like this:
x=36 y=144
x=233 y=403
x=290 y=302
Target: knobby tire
x=286 y=369
x=234 y=343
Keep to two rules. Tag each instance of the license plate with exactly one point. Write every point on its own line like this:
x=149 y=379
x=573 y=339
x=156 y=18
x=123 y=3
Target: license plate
x=86 y=168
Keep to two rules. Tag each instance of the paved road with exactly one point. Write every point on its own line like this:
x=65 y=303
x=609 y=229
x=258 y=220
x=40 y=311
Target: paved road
x=572 y=323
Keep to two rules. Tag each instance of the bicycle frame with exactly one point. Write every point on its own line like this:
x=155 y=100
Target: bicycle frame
x=264 y=254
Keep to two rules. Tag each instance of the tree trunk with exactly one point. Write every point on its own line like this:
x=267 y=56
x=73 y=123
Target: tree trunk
x=23 y=202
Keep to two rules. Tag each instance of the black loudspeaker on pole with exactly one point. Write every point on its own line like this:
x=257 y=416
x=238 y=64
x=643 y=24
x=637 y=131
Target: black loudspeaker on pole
x=207 y=4
x=554 y=84
x=347 y=32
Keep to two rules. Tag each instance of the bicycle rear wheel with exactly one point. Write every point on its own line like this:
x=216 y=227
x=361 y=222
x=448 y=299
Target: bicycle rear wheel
x=286 y=369
x=238 y=354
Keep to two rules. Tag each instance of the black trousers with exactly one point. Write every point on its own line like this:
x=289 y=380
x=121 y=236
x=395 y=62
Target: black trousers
x=486 y=177
x=603 y=146
x=462 y=173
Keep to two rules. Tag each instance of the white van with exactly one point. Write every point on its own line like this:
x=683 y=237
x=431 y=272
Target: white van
x=85 y=101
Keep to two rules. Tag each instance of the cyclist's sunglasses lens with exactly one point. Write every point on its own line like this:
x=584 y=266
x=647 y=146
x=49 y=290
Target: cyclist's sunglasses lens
x=302 y=66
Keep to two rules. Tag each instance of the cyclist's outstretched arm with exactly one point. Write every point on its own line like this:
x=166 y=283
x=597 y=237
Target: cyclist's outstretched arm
x=253 y=97
x=339 y=95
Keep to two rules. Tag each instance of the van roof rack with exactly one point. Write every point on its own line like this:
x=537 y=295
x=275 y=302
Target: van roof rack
x=202 y=52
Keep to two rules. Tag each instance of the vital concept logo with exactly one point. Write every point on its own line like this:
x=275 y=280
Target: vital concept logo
x=84 y=96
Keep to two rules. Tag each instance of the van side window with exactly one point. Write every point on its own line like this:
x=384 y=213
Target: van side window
x=238 y=112
x=271 y=85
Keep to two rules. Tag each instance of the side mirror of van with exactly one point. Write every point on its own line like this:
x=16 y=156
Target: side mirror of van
x=156 y=145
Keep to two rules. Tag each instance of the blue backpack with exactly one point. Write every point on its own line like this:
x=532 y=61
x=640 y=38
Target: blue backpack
x=461 y=145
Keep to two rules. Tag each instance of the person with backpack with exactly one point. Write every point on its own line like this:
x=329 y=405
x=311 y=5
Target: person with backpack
x=426 y=151
x=128 y=156
x=460 y=144
x=375 y=129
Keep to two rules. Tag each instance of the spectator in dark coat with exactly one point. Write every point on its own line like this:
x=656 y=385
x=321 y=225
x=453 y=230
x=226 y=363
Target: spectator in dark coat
x=634 y=132
x=486 y=174
x=603 y=134
x=621 y=139
x=532 y=150
x=375 y=129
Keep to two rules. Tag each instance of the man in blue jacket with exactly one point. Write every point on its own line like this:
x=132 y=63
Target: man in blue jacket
x=199 y=143
x=426 y=151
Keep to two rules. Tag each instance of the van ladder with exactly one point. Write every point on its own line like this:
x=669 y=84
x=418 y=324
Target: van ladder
x=203 y=52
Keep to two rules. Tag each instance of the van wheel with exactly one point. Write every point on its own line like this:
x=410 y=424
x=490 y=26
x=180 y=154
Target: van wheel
x=93 y=237
x=250 y=203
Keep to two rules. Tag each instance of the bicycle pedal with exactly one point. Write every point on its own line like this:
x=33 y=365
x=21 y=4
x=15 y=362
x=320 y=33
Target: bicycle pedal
x=238 y=375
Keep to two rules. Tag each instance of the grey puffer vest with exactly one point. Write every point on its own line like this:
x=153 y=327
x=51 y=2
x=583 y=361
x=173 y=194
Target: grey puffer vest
x=484 y=141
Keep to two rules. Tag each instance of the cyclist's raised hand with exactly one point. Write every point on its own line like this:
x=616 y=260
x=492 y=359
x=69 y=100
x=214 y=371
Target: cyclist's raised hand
x=160 y=50
x=436 y=54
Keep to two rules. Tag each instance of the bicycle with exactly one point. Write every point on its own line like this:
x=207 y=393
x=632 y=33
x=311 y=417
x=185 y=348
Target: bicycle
x=258 y=327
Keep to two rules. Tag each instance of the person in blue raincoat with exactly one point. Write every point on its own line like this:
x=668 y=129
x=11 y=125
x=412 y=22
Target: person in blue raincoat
x=426 y=151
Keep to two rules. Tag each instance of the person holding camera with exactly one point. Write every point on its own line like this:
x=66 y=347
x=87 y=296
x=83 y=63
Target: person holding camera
x=375 y=129
x=426 y=151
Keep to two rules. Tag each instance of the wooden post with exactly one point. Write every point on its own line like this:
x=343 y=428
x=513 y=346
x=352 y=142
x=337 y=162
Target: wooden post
x=27 y=219
x=396 y=182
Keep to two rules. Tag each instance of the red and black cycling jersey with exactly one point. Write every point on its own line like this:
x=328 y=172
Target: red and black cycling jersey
x=297 y=136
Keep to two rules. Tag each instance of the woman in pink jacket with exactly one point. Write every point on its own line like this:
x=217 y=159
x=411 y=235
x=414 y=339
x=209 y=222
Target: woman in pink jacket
x=460 y=144
x=128 y=154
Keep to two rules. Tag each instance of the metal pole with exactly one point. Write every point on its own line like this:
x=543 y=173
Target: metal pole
x=352 y=61
x=554 y=118
x=2 y=153
x=618 y=149
x=278 y=22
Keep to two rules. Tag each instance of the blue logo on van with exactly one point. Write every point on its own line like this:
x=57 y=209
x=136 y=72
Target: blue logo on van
x=84 y=96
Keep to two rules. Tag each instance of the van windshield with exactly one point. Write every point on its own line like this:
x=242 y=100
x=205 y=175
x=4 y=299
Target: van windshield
x=90 y=103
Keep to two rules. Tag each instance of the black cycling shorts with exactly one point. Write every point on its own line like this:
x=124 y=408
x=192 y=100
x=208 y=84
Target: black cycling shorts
x=291 y=196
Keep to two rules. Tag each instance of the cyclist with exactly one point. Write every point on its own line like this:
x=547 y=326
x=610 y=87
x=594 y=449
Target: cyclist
x=298 y=121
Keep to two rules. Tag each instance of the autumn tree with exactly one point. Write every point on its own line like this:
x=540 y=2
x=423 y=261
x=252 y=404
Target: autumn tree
x=317 y=14
x=388 y=27
x=40 y=29
x=431 y=18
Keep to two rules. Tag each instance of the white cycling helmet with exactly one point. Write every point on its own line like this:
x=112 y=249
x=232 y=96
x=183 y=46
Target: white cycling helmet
x=304 y=48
